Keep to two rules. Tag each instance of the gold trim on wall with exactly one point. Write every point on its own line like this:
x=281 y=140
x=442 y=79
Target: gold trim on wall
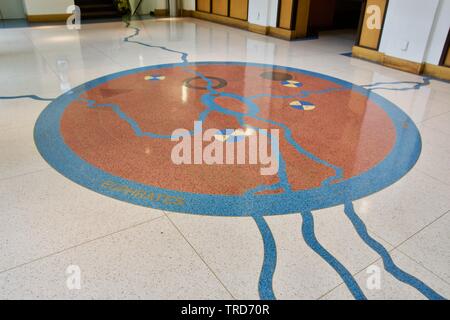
x=239 y=9
x=245 y=25
x=388 y=61
x=285 y=14
x=204 y=5
x=48 y=17
x=220 y=7
x=256 y=28
x=282 y=33
x=161 y=12
x=440 y=72
x=447 y=59
x=187 y=13
x=368 y=54
x=302 y=19
x=221 y=19
x=404 y=65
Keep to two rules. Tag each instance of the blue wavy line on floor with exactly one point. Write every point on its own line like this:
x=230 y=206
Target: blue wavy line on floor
x=29 y=96
x=414 y=85
x=265 y=285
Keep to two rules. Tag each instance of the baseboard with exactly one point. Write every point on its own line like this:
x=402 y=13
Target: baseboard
x=256 y=28
x=368 y=54
x=187 y=13
x=440 y=72
x=237 y=23
x=242 y=24
x=48 y=17
x=282 y=33
x=161 y=12
x=403 y=65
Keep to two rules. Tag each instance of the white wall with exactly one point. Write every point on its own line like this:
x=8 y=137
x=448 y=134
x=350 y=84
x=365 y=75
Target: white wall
x=161 y=4
x=12 y=9
x=33 y=7
x=145 y=8
x=439 y=33
x=408 y=21
x=189 y=4
x=263 y=12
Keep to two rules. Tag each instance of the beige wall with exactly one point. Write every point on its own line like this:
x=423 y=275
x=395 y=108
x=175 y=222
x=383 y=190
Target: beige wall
x=37 y=7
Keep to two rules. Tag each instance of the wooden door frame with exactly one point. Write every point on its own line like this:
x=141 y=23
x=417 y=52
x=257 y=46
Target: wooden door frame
x=445 y=51
x=294 y=9
x=228 y=11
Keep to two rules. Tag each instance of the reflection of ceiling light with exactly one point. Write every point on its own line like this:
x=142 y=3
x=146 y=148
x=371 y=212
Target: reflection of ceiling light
x=47 y=27
x=62 y=38
x=184 y=94
x=247 y=132
x=365 y=206
x=65 y=87
x=236 y=133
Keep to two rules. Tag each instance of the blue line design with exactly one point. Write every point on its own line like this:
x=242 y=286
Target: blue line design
x=265 y=285
x=137 y=31
x=311 y=240
x=389 y=264
x=133 y=124
x=253 y=109
x=28 y=96
x=300 y=95
x=416 y=85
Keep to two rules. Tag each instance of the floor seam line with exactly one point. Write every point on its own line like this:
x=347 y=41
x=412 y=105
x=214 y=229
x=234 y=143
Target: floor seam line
x=432 y=177
x=419 y=231
x=423 y=266
x=200 y=257
x=379 y=259
x=433 y=117
x=24 y=174
x=79 y=245
x=353 y=275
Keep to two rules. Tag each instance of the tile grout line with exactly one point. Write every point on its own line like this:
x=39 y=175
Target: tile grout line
x=433 y=117
x=200 y=257
x=423 y=266
x=80 y=244
x=422 y=124
x=42 y=56
x=419 y=231
x=397 y=247
x=432 y=177
x=420 y=264
x=353 y=274
x=24 y=174
x=390 y=251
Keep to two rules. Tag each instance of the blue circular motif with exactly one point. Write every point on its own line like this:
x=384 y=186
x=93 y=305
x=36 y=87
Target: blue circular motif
x=400 y=160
